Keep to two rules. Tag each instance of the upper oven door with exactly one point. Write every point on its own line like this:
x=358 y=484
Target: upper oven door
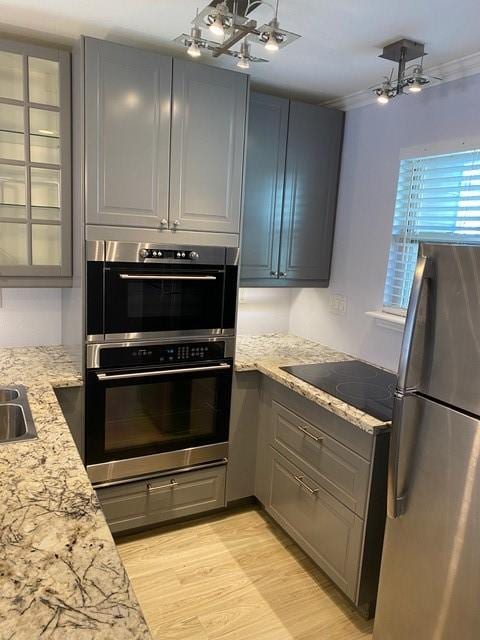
x=161 y=299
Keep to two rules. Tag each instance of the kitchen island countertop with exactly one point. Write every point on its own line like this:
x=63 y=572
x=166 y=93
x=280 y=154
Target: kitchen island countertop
x=60 y=573
x=267 y=353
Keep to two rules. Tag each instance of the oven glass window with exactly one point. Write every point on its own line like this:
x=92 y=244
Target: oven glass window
x=150 y=301
x=162 y=416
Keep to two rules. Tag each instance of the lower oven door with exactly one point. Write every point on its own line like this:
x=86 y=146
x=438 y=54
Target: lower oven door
x=142 y=421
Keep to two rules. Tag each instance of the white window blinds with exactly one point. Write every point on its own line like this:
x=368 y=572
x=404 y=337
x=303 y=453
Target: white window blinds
x=438 y=200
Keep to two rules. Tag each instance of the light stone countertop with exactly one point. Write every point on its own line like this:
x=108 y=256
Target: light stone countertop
x=267 y=353
x=60 y=573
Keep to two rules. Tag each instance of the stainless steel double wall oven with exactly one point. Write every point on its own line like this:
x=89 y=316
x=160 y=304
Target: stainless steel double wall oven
x=160 y=346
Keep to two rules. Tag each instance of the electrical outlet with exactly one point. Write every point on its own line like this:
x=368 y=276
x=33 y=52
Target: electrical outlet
x=242 y=296
x=338 y=304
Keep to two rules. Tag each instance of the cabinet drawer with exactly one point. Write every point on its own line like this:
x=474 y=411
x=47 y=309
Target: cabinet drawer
x=337 y=469
x=137 y=504
x=329 y=532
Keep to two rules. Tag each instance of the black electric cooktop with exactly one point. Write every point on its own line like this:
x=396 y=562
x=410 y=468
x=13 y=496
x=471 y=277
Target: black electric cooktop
x=356 y=383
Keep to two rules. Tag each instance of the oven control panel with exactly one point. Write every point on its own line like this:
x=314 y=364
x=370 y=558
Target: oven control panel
x=165 y=354
x=172 y=254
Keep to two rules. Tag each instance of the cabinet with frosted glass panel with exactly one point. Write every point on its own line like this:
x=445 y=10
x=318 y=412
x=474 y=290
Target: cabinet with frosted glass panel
x=35 y=166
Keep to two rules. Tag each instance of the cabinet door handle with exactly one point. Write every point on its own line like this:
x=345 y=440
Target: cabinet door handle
x=163 y=222
x=283 y=274
x=312 y=492
x=310 y=435
x=176 y=223
x=274 y=274
x=171 y=485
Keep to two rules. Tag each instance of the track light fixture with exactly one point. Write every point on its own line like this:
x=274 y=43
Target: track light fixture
x=193 y=49
x=229 y=20
x=411 y=78
x=244 y=56
x=385 y=92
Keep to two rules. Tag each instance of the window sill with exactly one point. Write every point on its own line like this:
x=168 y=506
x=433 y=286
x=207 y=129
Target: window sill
x=387 y=320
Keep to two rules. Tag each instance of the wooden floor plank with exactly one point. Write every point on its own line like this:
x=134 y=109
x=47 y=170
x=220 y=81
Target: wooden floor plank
x=235 y=576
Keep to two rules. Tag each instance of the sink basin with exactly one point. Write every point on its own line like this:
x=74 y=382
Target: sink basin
x=12 y=422
x=16 y=422
x=7 y=395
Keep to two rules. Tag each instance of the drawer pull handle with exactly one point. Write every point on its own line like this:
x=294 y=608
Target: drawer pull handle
x=312 y=492
x=171 y=485
x=310 y=435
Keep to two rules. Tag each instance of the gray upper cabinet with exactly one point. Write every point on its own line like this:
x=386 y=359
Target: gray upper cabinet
x=265 y=176
x=313 y=158
x=35 y=166
x=208 y=130
x=291 y=190
x=127 y=135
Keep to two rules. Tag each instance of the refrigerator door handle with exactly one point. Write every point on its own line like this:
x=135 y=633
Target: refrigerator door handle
x=396 y=496
x=423 y=272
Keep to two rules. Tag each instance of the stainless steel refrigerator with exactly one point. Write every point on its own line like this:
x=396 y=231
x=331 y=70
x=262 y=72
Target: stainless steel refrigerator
x=430 y=574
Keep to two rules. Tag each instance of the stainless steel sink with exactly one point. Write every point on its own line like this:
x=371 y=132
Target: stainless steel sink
x=7 y=395
x=16 y=422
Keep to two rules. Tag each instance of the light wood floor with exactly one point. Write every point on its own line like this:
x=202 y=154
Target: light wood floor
x=236 y=576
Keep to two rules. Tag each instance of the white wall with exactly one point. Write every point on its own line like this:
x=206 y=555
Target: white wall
x=374 y=136
x=30 y=317
x=263 y=311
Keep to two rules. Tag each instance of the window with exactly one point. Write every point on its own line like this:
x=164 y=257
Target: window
x=438 y=200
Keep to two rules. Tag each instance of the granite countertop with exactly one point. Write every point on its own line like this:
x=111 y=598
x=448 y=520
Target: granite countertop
x=60 y=574
x=267 y=353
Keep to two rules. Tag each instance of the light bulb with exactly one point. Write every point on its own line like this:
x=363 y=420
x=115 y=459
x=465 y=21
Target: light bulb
x=194 y=50
x=415 y=87
x=271 y=44
x=217 y=27
x=243 y=63
x=383 y=99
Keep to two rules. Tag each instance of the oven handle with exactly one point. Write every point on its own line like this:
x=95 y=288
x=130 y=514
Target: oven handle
x=165 y=372
x=128 y=276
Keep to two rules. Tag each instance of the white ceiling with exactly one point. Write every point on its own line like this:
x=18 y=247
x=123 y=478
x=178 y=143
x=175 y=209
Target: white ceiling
x=336 y=56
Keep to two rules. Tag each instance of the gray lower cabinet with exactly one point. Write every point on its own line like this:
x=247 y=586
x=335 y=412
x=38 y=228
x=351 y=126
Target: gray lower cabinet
x=324 y=481
x=208 y=133
x=292 y=173
x=242 y=436
x=340 y=470
x=329 y=532
x=146 y=502
x=127 y=134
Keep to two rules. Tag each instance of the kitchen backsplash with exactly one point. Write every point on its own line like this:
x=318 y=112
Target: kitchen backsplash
x=263 y=310
x=30 y=317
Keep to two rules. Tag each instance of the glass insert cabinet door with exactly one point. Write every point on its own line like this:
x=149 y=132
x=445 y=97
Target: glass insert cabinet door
x=35 y=163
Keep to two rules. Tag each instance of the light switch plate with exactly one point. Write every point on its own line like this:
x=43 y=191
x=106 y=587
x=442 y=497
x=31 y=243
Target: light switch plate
x=338 y=304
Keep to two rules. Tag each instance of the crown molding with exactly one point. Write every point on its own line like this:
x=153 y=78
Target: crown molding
x=453 y=70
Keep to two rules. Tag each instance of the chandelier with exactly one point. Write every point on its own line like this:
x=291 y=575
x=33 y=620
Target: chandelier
x=411 y=78
x=229 y=21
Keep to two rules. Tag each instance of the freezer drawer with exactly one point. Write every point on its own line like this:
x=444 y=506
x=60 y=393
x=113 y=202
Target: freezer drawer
x=137 y=504
x=430 y=573
x=329 y=532
x=337 y=469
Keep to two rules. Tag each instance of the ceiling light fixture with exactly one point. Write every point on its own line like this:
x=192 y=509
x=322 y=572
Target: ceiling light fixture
x=244 y=56
x=401 y=52
x=230 y=20
x=193 y=49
